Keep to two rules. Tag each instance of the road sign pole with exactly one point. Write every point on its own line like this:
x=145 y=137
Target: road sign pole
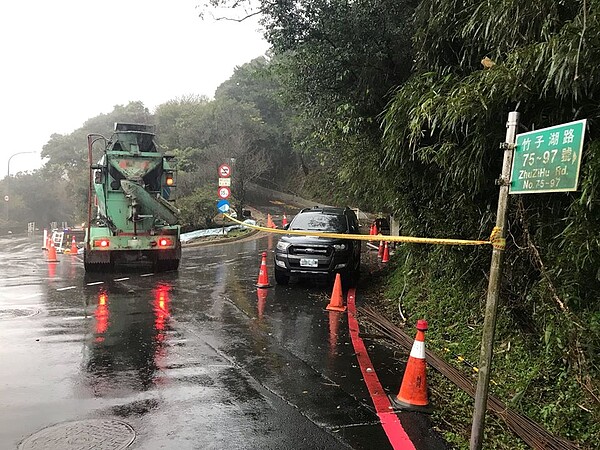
x=491 y=307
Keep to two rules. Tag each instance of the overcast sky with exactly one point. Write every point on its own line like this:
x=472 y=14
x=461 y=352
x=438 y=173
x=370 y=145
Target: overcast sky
x=65 y=61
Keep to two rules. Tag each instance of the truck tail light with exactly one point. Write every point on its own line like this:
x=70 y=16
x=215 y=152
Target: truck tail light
x=169 y=179
x=165 y=242
x=101 y=243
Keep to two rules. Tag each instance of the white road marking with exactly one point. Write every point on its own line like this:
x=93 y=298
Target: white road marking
x=66 y=288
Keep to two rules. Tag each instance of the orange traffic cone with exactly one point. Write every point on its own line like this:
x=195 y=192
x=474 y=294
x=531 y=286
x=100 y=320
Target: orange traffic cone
x=263 y=276
x=73 y=246
x=270 y=223
x=372 y=230
x=284 y=221
x=380 y=250
x=386 y=253
x=336 y=303
x=52 y=254
x=413 y=391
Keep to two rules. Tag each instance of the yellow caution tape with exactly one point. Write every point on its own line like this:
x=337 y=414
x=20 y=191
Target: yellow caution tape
x=495 y=238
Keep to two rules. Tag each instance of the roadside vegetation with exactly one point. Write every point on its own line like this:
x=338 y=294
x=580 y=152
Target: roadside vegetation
x=400 y=106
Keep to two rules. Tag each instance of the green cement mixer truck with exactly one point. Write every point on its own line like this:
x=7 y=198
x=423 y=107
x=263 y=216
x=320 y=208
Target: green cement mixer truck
x=130 y=217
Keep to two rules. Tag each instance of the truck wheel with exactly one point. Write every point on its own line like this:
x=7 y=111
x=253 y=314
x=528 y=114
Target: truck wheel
x=281 y=277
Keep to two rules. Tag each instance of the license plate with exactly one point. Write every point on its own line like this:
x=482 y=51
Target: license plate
x=306 y=262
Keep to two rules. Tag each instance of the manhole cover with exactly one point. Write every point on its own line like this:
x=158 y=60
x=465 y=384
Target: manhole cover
x=14 y=313
x=96 y=434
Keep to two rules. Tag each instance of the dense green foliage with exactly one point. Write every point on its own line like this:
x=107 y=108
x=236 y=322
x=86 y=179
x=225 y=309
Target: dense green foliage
x=244 y=125
x=197 y=209
x=337 y=61
x=444 y=126
x=257 y=84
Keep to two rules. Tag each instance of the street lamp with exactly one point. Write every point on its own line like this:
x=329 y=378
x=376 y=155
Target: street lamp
x=7 y=196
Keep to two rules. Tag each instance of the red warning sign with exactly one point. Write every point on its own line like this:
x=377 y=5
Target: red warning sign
x=224 y=192
x=224 y=171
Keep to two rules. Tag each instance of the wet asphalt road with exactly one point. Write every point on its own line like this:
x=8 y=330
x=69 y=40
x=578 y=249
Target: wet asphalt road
x=194 y=359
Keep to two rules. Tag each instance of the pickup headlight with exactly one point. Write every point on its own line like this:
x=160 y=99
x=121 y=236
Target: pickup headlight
x=339 y=247
x=282 y=246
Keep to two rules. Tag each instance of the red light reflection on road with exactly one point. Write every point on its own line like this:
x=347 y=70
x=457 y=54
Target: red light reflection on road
x=262 y=301
x=161 y=316
x=102 y=315
x=161 y=309
x=51 y=270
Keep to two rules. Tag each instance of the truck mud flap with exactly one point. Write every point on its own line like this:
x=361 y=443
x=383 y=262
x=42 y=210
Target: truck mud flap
x=91 y=257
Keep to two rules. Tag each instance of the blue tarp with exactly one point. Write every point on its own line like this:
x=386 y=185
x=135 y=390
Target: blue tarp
x=212 y=232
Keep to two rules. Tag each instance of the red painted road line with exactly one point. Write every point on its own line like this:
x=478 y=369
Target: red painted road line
x=389 y=420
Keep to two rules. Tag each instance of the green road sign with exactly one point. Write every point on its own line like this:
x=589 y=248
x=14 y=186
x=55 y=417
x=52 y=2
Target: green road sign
x=548 y=160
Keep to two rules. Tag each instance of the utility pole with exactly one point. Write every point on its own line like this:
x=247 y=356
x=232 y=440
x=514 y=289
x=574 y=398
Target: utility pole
x=491 y=306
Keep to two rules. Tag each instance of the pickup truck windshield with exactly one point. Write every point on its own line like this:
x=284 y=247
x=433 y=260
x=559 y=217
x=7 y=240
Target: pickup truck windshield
x=332 y=223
